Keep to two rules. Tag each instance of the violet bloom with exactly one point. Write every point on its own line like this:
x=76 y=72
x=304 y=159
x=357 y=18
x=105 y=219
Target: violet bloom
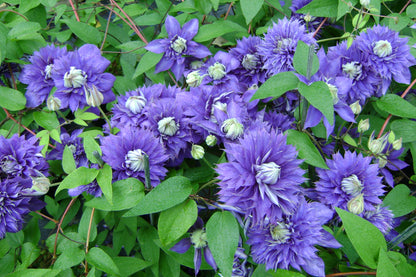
x=389 y=161
x=14 y=205
x=38 y=74
x=278 y=121
x=279 y=45
x=381 y=217
x=311 y=22
x=386 y=54
x=289 y=242
x=178 y=46
x=81 y=73
x=21 y=157
x=262 y=177
x=351 y=183
x=125 y=153
x=198 y=239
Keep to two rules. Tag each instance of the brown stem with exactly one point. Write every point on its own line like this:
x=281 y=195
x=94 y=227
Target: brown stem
x=12 y=76
x=47 y=217
x=74 y=10
x=228 y=11
x=173 y=79
x=388 y=118
x=12 y=11
x=106 y=29
x=405 y=6
x=88 y=238
x=351 y=273
x=320 y=26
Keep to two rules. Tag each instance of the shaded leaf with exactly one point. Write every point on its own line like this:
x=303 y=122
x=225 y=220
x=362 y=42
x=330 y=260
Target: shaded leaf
x=400 y=201
x=277 y=85
x=102 y=261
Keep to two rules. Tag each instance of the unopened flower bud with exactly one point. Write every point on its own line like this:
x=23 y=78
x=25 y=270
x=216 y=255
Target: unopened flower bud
x=136 y=103
x=93 y=96
x=397 y=144
x=382 y=161
x=232 y=128
x=391 y=137
x=356 y=107
x=217 y=71
x=376 y=146
x=356 y=205
x=211 y=140
x=308 y=17
x=196 y=64
x=53 y=103
x=365 y=3
x=197 y=152
x=363 y=125
x=194 y=79
x=40 y=186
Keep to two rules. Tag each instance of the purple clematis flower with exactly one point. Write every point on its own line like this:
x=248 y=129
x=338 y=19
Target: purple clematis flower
x=198 y=239
x=177 y=46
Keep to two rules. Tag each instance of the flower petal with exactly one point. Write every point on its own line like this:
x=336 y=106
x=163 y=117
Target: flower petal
x=182 y=246
x=209 y=258
x=172 y=26
x=164 y=64
x=156 y=46
x=190 y=29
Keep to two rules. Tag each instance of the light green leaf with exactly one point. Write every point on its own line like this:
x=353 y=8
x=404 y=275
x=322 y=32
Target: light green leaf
x=31 y=272
x=364 y=236
x=70 y=257
x=167 y=194
x=104 y=180
x=130 y=265
x=400 y=201
x=306 y=149
x=305 y=59
x=344 y=7
x=80 y=176
x=405 y=129
x=394 y=104
x=277 y=85
x=318 y=95
x=68 y=161
x=348 y=139
x=385 y=267
x=396 y=21
x=222 y=234
x=55 y=134
x=25 y=30
x=215 y=4
x=250 y=8
x=102 y=261
x=321 y=8
x=83 y=226
x=84 y=31
x=11 y=99
x=411 y=11
x=148 y=60
x=174 y=222
x=47 y=120
x=25 y=6
x=91 y=146
x=216 y=29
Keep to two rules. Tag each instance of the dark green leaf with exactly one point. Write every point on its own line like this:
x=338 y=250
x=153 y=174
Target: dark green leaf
x=101 y=260
x=147 y=235
x=250 y=8
x=69 y=258
x=307 y=150
x=84 y=225
x=400 y=201
x=81 y=176
x=385 y=268
x=364 y=236
x=12 y=99
x=222 y=235
x=412 y=147
x=91 y=146
x=167 y=194
x=104 y=180
x=344 y=7
x=203 y=6
x=174 y=222
x=29 y=254
x=3 y=42
x=130 y=265
x=396 y=105
x=405 y=129
x=84 y=31
x=321 y=8
x=126 y=194
x=68 y=161
x=305 y=60
x=277 y=85
x=148 y=60
x=400 y=262
x=216 y=29
x=168 y=266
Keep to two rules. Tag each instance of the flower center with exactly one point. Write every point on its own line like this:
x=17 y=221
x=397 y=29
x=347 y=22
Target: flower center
x=194 y=79
x=216 y=71
x=199 y=238
x=178 y=45
x=75 y=78
x=48 y=71
x=232 y=128
x=136 y=103
x=352 y=69
x=334 y=93
x=351 y=185
x=9 y=165
x=167 y=126
x=267 y=173
x=282 y=45
x=135 y=160
x=280 y=232
x=356 y=204
x=249 y=61
x=382 y=48
x=73 y=148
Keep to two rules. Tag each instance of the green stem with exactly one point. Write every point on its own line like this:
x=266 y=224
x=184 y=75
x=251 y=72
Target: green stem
x=105 y=117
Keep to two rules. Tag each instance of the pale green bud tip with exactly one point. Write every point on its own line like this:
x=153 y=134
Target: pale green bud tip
x=391 y=137
x=217 y=71
x=194 y=79
x=134 y=160
x=382 y=161
x=363 y=125
x=356 y=107
x=40 y=185
x=211 y=140
x=376 y=146
x=197 y=152
x=199 y=238
x=75 y=78
x=397 y=144
x=93 y=96
x=280 y=232
x=167 y=126
x=356 y=204
x=382 y=48
x=308 y=17
x=232 y=128
x=53 y=103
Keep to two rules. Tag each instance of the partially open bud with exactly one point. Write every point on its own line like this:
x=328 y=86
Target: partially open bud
x=232 y=128
x=376 y=146
x=40 y=186
x=136 y=103
x=167 y=126
x=391 y=137
x=363 y=125
x=53 y=103
x=93 y=96
x=397 y=144
x=194 y=79
x=211 y=140
x=365 y=3
x=197 y=152
x=356 y=205
x=267 y=173
x=382 y=161
x=356 y=107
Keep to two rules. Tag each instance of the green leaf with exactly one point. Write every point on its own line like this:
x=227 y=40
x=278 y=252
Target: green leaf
x=83 y=227
x=364 y=236
x=318 y=95
x=412 y=147
x=147 y=235
x=29 y=254
x=216 y=29
x=344 y=7
x=25 y=6
x=321 y=8
x=69 y=258
x=167 y=194
x=35 y=273
x=24 y=31
x=168 y=266
x=396 y=21
x=91 y=146
x=104 y=180
x=80 y=176
x=80 y=122
x=215 y=4
x=400 y=201
x=223 y=235
x=405 y=129
x=47 y=120
x=85 y=32
x=305 y=59
x=130 y=265
x=55 y=134
x=3 y=42
x=250 y=8
x=307 y=150
x=11 y=99
x=87 y=116
x=68 y=161
x=348 y=139
x=174 y=222
x=411 y=11
x=126 y=194
x=396 y=105
x=203 y=6
x=400 y=262
x=148 y=60
x=277 y=85
x=102 y=261
x=262 y=272
x=385 y=267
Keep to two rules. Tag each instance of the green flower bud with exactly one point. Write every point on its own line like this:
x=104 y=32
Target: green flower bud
x=197 y=152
